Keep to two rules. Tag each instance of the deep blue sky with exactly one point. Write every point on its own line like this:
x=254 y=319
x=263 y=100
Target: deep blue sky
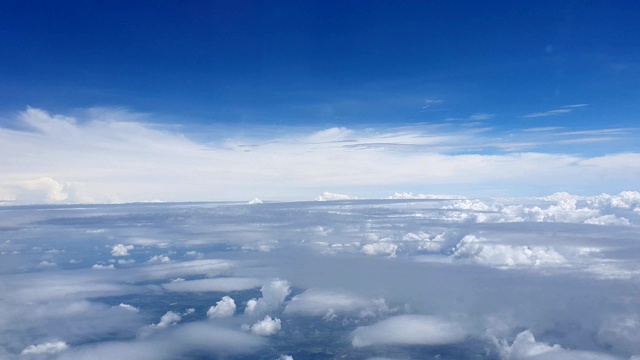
x=327 y=63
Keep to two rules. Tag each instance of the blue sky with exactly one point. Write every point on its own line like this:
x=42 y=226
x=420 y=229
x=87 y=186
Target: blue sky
x=325 y=62
x=540 y=76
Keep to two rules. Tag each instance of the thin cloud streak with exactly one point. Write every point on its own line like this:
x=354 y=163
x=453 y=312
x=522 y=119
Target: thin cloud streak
x=562 y=110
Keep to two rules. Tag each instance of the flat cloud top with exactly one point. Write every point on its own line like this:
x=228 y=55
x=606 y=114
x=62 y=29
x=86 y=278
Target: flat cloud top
x=222 y=284
x=409 y=330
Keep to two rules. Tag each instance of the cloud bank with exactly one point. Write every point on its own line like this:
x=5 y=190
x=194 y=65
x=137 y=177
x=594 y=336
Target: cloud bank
x=143 y=161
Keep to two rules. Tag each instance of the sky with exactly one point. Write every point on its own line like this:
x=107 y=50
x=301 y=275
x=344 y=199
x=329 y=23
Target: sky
x=159 y=100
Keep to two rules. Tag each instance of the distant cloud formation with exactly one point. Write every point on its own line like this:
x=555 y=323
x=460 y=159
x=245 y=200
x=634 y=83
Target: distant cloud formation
x=145 y=162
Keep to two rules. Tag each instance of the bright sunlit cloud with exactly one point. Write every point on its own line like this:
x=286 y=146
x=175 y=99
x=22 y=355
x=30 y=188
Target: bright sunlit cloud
x=120 y=156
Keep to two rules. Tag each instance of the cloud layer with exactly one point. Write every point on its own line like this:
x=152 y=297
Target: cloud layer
x=125 y=157
x=505 y=278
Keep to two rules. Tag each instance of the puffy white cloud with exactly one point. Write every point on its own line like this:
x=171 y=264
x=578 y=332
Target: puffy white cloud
x=328 y=303
x=380 y=248
x=470 y=247
x=46 y=348
x=267 y=326
x=159 y=259
x=255 y=201
x=409 y=330
x=224 y=308
x=285 y=357
x=273 y=295
x=121 y=250
x=168 y=319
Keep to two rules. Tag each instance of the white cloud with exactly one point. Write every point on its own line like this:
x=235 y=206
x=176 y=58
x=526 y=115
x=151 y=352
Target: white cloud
x=46 y=348
x=525 y=347
x=483 y=252
x=159 y=259
x=135 y=167
x=121 y=250
x=328 y=304
x=128 y=307
x=168 y=319
x=224 y=308
x=176 y=342
x=103 y=267
x=285 y=357
x=408 y=195
x=273 y=295
x=329 y=196
x=223 y=284
x=409 y=330
x=208 y=267
x=562 y=110
x=380 y=248
x=267 y=326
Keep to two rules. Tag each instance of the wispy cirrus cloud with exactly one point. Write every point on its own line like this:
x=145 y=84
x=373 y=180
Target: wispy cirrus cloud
x=559 y=111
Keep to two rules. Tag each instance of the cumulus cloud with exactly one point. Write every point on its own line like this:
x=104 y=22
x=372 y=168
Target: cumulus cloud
x=273 y=295
x=475 y=249
x=121 y=250
x=46 y=348
x=159 y=259
x=168 y=319
x=267 y=326
x=526 y=347
x=43 y=189
x=223 y=308
x=329 y=303
x=409 y=330
x=380 y=248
